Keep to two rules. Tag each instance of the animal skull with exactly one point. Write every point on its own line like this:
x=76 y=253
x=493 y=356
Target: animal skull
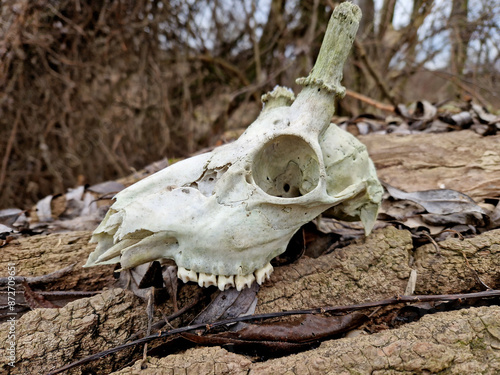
x=224 y=215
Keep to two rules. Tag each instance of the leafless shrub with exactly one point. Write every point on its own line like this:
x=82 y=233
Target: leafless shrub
x=91 y=90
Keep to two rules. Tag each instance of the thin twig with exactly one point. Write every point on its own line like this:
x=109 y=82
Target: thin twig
x=474 y=272
x=251 y=318
x=160 y=324
x=370 y=101
x=459 y=235
x=63 y=293
x=434 y=243
x=44 y=279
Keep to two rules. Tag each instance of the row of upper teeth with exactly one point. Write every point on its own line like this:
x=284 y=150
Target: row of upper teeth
x=225 y=282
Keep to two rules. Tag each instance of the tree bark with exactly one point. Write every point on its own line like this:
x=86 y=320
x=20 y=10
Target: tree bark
x=462 y=161
x=460 y=34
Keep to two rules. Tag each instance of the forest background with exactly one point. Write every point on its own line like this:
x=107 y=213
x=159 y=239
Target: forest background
x=91 y=91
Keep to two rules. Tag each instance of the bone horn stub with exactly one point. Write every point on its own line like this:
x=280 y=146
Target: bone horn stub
x=336 y=46
x=322 y=85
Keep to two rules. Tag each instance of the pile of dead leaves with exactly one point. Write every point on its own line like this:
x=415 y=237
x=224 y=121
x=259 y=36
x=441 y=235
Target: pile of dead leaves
x=423 y=116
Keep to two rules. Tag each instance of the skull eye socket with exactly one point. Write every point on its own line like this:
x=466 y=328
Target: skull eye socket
x=287 y=167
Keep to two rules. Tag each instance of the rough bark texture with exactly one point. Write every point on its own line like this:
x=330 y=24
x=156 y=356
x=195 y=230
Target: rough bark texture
x=374 y=268
x=456 y=264
x=458 y=342
x=462 y=161
x=50 y=338
x=378 y=267
x=43 y=254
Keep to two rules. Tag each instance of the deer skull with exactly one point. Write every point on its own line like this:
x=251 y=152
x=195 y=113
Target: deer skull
x=224 y=215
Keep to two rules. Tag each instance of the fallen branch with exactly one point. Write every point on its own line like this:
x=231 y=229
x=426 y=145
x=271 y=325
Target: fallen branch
x=251 y=318
x=44 y=279
x=370 y=101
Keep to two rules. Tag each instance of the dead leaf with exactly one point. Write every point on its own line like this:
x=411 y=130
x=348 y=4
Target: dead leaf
x=301 y=330
x=438 y=201
x=43 y=209
x=495 y=216
x=424 y=111
x=5 y=239
x=462 y=119
x=107 y=188
x=263 y=349
x=464 y=218
x=229 y=304
x=5 y=229
x=9 y=216
x=484 y=116
x=152 y=277
x=281 y=338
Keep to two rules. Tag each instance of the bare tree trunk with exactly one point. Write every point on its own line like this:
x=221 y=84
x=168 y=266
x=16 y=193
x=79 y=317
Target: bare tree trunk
x=460 y=33
x=366 y=36
x=386 y=16
x=274 y=27
x=367 y=24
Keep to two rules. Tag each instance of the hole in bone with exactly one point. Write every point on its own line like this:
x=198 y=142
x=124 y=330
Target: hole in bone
x=206 y=184
x=286 y=166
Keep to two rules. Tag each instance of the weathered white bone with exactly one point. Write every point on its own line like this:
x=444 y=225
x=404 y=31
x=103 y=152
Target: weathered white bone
x=229 y=212
x=225 y=282
x=206 y=280
x=243 y=281
x=263 y=274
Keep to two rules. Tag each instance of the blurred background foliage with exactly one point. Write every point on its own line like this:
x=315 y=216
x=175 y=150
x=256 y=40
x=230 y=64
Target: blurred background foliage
x=93 y=90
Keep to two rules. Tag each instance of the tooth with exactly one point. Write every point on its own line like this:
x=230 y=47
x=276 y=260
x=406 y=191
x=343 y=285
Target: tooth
x=206 y=279
x=225 y=282
x=186 y=275
x=264 y=273
x=244 y=280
